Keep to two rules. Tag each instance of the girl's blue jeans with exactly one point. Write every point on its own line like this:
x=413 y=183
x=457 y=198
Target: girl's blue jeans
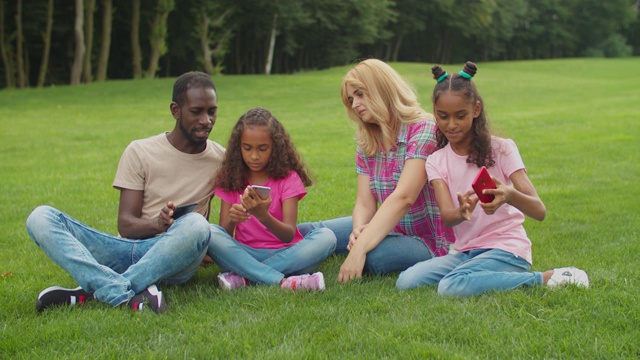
x=114 y=268
x=396 y=252
x=471 y=273
x=269 y=266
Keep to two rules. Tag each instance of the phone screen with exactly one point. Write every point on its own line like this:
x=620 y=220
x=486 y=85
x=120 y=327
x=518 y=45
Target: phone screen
x=182 y=210
x=263 y=191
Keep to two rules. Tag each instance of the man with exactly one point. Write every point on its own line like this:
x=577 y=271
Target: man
x=154 y=175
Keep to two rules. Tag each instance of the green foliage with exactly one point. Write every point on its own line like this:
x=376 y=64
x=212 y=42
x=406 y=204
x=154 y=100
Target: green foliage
x=613 y=46
x=574 y=122
x=318 y=34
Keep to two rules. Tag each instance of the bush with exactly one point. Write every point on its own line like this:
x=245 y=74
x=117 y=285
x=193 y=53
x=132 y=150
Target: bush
x=613 y=46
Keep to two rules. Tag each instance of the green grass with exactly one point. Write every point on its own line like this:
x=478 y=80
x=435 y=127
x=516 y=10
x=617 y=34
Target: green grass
x=575 y=123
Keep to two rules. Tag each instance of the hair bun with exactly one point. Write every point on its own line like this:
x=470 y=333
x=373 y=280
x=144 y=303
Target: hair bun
x=470 y=68
x=437 y=72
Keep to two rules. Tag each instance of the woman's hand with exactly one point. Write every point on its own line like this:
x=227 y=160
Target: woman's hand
x=354 y=236
x=352 y=267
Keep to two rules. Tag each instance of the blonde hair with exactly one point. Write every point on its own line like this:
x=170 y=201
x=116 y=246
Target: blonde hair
x=391 y=101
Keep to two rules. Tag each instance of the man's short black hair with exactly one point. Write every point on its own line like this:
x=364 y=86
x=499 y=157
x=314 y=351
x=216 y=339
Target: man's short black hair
x=189 y=80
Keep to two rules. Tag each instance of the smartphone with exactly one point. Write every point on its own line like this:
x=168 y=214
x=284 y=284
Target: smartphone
x=483 y=181
x=263 y=191
x=184 y=209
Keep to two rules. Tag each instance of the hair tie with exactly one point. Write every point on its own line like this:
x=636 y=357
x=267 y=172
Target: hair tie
x=465 y=75
x=442 y=77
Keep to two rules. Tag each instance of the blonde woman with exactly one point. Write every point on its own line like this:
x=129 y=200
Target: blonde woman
x=395 y=222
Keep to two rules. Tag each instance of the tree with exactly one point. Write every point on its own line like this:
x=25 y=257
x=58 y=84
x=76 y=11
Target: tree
x=22 y=81
x=136 y=51
x=413 y=15
x=214 y=32
x=105 y=43
x=158 y=38
x=89 y=9
x=46 y=37
x=492 y=41
x=6 y=60
x=594 y=21
x=76 y=67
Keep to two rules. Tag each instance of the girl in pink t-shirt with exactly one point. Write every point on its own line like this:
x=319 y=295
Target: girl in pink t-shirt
x=493 y=251
x=257 y=240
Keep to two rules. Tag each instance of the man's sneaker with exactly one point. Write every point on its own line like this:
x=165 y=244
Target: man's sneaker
x=56 y=295
x=231 y=280
x=313 y=282
x=568 y=275
x=150 y=297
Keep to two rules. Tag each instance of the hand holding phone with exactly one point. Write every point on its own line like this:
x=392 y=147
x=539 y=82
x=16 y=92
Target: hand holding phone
x=182 y=210
x=481 y=182
x=262 y=191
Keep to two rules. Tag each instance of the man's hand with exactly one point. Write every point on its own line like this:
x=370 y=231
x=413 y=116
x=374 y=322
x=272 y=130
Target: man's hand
x=165 y=219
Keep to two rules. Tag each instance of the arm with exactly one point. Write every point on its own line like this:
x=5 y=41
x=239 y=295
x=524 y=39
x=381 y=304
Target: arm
x=410 y=184
x=363 y=210
x=452 y=216
x=522 y=196
x=131 y=225
x=230 y=215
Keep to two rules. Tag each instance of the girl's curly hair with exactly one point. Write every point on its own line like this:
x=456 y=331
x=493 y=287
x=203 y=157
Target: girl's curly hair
x=480 y=152
x=234 y=173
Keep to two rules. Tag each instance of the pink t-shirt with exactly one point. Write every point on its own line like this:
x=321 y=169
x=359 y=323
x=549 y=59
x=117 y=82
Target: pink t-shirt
x=251 y=232
x=502 y=230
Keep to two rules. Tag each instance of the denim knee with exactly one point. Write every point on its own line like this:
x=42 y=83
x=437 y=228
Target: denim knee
x=39 y=222
x=405 y=280
x=453 y=287
x=195 y=227
x=327 y=237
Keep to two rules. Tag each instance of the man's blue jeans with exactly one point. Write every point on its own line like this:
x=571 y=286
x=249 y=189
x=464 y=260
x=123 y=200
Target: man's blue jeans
x=396 y=252
x=471 y=273
x=269 y=266
x=114 y=268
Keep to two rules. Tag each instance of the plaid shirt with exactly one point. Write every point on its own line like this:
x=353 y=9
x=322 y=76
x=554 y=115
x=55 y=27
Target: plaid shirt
x=415 y=141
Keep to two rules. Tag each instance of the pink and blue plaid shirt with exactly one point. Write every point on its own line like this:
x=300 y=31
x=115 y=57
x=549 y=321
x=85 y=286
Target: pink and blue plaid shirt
x=415 y=141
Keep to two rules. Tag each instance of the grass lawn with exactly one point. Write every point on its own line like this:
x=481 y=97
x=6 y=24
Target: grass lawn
x=576 y=125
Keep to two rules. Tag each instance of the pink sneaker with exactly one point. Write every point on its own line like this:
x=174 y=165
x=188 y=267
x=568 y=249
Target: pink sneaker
x=231 y=280
x=314 y=282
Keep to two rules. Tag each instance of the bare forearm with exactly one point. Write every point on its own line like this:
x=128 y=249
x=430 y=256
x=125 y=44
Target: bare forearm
x=362 y=214
x=281 y=230
x=385 y=219
x=139 y=228
x=530 y=206
x=451 y=217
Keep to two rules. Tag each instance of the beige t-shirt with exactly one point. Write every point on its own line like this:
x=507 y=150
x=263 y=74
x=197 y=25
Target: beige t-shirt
x=164 y=173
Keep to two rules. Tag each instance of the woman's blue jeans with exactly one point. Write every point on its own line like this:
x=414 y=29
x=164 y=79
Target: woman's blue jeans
x=471 y=273
x=269 y=266
x=114 y=268
x=396 y=252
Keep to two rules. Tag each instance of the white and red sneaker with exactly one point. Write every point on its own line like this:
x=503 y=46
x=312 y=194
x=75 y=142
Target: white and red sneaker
x=56 y=296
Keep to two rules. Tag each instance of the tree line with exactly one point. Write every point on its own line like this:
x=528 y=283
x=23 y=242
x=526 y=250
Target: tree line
x=43 y=42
